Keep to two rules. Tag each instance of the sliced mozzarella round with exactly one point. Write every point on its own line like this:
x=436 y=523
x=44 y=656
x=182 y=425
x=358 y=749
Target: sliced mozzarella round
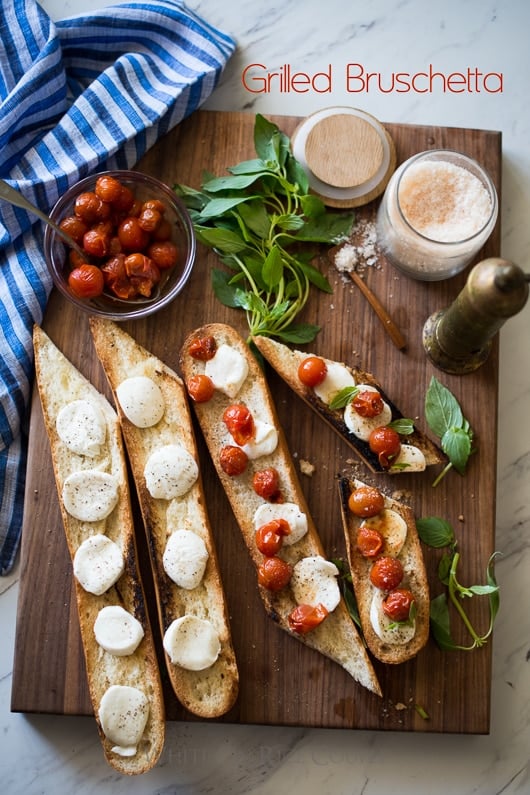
x=117 y=631
x=185 y=558
x=90 y=495
x=384 y=627
x=227 y=370
x=410 y=459
x=170 y=471
x=337 y=377
x=141 y=401
x=123 y=713
x=286 y=510
x=81 y=426
x=392 y=527
x=98 y=564
x=264 y=442
x=314 y=581
x=362 y=427
x=192 y=643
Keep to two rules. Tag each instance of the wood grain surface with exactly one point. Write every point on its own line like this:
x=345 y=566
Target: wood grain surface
x=281 y=681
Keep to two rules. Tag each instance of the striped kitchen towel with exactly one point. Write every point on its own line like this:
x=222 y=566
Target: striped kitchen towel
x=90 y=92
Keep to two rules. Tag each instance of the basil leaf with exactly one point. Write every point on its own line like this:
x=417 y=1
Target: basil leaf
x=402 y=426
x=223 y=239
x=272 y=268
x=255 y=217
x=444 y=567
x=494 y=597
x=440 y=625
x=326 y=229
x=233 y=182
x=344 y=396
x=442 y=410
x=290 y=222
x=217 y=207
x=435 y=532
x=228 y=294
x=312 y=206
x=457 y=445
x=254 y=166
x=299 y=333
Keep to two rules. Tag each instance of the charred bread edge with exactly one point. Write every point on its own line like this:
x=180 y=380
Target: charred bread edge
x=360 y=570
x=273 y=350
x=127 y=592
x=213 y=691
x=350 y=653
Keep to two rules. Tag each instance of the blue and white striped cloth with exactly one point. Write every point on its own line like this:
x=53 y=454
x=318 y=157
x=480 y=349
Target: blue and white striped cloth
x=90 y=92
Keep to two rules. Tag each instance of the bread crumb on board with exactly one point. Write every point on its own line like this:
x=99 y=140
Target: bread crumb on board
x=306 y=467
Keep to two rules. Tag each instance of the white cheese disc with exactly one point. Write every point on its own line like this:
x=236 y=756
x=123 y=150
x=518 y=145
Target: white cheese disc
x=98 y=564
x=117 y=631
x=185 y=558
x=362 y=427
x=81 y=426
x=192 y=643
x=264 y=442
x=170 y=471
x=410 y=459
x=90 y=495
x=314 y=582
x=286 y=510
x=392 y=527
x=227 y=370
x=123 y=713
x=382 y=625
x=337 y=377
x=141 y=401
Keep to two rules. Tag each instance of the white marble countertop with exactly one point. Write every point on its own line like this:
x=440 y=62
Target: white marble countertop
x=44 y=754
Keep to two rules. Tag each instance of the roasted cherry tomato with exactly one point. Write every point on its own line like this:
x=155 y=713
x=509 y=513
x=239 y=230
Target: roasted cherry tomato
x=203 y=348
x=367 y=403
x=164 y=253
x=90 y=209
x=312 y=371
x=370 y=542
x=304 y=618
x=397 y=604
x=269 y=537
x=274 y=573
x=240 y=423
x=86 y=281
x=116 y=278
x=74 y=227
x=233 y=460
x=266 y=484
x=149 y=218
x=385 y=442
x=131 y=235
x=366 y=501
x=200 y=388
x=96 y=241
x=108 y=189
x=386 y=573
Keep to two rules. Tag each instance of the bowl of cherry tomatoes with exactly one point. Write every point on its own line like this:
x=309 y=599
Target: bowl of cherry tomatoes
x=136 y=239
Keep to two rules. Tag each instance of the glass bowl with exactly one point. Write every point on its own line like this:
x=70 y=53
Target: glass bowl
x=173 y=280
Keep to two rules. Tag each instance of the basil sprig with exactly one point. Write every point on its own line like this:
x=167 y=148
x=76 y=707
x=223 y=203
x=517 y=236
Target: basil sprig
x=445 y=418
x=438 y=533
x=255 y=219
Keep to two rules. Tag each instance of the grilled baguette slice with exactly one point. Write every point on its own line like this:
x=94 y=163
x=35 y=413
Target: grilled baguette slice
x=60 y=383
x=210 y=692
x=415 y=579
x=336 y=637
x=286 y=362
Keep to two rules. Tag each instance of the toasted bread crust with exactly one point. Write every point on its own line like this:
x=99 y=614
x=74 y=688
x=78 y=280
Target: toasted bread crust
x=286 y=361
x=211 y=692
x=415 y=578
x=336 y=637
x=59 y=382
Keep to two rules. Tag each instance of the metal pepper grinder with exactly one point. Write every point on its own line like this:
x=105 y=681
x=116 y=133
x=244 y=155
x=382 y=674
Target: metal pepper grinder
x=458 y=339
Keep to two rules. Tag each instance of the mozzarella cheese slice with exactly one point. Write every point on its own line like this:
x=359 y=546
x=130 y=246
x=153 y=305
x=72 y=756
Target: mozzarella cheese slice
x=170 y=471
x=384 y=627
x=192 y=643
x=90 y=495
x=227 y=370
x=338 y=377
x=123 y=713
x=185 y=558
x=410 y=459
x=286 y=510
x=392 y=527
x=362 y=427
x=314 y=581
x=117 y=631
x=98 y=564
x=141 y=401
x=264 y=442
x=81 y=426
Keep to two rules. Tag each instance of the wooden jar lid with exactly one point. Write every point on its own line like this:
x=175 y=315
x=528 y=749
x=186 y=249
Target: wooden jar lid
x=347 y=154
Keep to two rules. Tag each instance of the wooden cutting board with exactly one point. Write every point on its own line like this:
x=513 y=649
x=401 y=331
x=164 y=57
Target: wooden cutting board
x=281 y=681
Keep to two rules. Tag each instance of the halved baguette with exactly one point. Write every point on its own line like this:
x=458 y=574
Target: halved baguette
x=336 y=637
x=286 y=362
x=415 y=579
x=60 y=383
x=210 y=692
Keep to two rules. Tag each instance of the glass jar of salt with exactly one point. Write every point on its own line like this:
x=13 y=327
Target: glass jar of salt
x=438 y=210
